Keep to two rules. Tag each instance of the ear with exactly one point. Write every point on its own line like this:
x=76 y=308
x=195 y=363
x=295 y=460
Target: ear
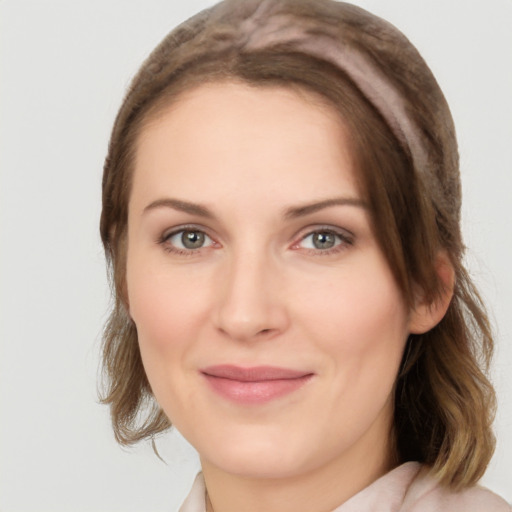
x=425 y=314
x=121 y=271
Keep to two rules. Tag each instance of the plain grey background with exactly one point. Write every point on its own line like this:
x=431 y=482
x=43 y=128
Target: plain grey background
x=63 y=71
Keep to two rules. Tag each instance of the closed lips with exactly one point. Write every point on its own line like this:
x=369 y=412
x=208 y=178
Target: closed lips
x=254 y=374
x=255 y=385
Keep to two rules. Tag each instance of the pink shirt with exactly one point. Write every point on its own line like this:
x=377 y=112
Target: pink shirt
x=407 y=488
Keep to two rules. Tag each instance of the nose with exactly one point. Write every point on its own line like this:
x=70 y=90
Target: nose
x=250 y=303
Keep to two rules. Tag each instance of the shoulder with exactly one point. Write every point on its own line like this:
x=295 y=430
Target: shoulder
x=426 y=495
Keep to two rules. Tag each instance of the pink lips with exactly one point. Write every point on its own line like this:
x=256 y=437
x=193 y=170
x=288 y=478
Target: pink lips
x=255 y=385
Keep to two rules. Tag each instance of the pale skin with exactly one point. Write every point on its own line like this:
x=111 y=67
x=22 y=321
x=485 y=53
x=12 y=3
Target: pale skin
x=286 y=272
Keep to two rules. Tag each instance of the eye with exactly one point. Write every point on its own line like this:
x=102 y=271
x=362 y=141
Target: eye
x=186 y=240
x=324 y=241
x=321 y=240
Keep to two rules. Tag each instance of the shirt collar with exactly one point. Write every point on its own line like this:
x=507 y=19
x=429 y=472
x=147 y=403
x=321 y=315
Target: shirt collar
x=385 y=494
x=196 y=499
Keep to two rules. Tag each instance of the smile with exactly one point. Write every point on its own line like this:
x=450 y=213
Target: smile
x=256 y=385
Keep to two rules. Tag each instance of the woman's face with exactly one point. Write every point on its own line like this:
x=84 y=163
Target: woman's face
x=270 y=326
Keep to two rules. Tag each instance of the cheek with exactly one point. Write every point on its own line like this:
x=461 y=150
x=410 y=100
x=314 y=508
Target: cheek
x=166 y=310
x=360 y=323
x=360 y=320
x=165 y=306
x=357 y=302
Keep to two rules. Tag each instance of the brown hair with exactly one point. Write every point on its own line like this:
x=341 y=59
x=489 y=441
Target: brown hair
x=444 y=404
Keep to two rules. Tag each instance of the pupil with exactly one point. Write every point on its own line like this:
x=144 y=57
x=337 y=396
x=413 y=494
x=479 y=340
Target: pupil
x=323 y=240
x=192 y=239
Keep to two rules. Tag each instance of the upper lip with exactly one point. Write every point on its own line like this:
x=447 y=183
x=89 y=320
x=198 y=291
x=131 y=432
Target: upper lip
x=253 y=373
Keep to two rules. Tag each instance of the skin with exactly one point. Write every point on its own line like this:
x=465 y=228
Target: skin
x=259 y=292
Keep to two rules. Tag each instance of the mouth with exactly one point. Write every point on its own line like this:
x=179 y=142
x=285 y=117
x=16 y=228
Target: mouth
x=254 y=385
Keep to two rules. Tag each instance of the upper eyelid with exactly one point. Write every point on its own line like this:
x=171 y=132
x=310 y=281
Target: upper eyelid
x=164 y=240
x=185 y=227
x=347 y=238
x=309 y=230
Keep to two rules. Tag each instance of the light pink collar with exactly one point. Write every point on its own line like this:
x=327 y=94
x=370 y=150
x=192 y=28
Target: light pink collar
x=385 y=494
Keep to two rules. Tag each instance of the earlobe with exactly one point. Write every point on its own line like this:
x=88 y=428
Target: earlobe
x=426 y=314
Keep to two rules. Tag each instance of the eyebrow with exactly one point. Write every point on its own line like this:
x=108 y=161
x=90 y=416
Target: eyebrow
x=289 y=213
x=182 y=206
x=307 y=209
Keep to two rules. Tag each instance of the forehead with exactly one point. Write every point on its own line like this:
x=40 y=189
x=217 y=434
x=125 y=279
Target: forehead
x=245 y=138
x=231 y=98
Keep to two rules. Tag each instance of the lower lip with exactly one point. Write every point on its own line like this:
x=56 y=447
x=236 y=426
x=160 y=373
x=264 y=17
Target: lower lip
x=255 y=392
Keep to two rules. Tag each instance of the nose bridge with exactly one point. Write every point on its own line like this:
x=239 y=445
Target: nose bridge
x=249 y=301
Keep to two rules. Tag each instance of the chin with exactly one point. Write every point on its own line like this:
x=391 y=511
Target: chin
x=258 y=465
x=258 y=456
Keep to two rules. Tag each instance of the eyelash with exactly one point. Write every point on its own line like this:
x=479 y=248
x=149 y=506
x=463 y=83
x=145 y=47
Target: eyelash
x=166 y=236
x=344 y=239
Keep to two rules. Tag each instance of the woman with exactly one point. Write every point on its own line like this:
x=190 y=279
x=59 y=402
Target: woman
x=281 y=207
